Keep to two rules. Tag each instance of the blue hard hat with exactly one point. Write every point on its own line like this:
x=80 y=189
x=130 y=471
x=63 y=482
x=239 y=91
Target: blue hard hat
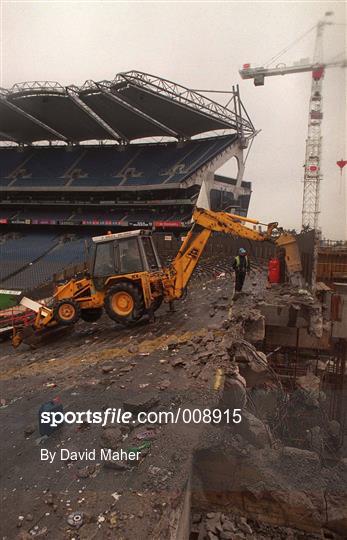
x=242 y=251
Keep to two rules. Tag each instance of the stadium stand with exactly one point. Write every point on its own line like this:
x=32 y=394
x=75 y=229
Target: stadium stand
x=16 y=254
x=94 y=182
x=38 y=182
x=62 y=256
x=5 y=181
x=42 y=165
x=6 y=213
x=70 y=190
x=136 y=165
x=11 y=160
x=42 y=216
x=97 y=163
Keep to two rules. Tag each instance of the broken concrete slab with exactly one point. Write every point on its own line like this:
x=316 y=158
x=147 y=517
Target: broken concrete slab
x=277 y=336
x=254 y=430
x=117 y=465
x=336 y=511
x=142 y=402
x=111 y=437
x=234 y=395
x=263 y=486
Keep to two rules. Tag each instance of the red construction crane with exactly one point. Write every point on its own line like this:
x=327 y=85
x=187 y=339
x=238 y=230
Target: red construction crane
x=313 y=173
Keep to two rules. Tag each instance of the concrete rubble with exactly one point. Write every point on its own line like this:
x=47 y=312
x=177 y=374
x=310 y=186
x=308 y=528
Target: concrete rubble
x=278 y=474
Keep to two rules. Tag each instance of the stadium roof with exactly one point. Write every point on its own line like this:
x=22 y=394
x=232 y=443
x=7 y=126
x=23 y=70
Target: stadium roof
x=133 y=105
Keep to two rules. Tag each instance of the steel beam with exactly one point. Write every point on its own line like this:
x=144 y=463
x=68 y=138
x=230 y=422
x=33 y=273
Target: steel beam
x=115 y=134
x=185 y=97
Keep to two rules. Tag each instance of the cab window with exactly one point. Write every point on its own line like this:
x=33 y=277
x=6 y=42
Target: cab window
x=149 y=251
x=104 y=260
x=129 y=256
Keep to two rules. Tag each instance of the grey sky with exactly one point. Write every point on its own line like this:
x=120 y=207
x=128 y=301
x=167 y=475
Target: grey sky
x=201 y=45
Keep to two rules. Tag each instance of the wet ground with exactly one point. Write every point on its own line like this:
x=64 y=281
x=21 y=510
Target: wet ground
x=97 y=366
x=158 y=366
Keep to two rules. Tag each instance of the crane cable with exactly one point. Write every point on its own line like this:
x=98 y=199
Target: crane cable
x=341 y=53
x=278 y=55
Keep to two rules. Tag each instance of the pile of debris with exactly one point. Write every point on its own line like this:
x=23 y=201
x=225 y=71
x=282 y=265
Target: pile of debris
x=220 y=526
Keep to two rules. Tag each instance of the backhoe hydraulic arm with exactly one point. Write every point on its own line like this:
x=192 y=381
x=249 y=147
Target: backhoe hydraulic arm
x=204 y=223
x=128 y=295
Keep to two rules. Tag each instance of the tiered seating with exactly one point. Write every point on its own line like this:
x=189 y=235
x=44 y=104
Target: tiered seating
x=16 y=254
x=106 y=161
x=5 y=181
x=94 y=182
x=199 y=155
x=6 y=213
x=134 y=165
x=137 y=215
x=42 y=271
x=39 y=182
x=48 y=163
x=37 y=215
x=11 y=159
x=118 y=215
x=101 y=216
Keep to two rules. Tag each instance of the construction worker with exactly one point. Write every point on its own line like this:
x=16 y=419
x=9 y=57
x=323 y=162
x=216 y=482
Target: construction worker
x=241 y=266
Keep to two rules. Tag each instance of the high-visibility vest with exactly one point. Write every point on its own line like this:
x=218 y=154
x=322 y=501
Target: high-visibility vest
x=237 y=258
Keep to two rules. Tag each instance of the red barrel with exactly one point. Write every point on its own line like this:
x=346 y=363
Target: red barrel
x=274 y=271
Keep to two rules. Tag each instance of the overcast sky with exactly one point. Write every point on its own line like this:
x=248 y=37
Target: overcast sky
x=202 y=45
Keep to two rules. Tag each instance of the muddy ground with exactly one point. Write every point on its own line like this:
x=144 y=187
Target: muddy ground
x=101 y=365
x=74 y=365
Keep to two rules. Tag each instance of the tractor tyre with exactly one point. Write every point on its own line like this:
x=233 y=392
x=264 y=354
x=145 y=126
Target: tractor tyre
x=66 y=312
x=124 y=303
x=91 y=315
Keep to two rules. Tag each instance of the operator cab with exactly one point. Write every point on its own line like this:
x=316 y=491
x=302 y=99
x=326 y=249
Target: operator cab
x=124 y=253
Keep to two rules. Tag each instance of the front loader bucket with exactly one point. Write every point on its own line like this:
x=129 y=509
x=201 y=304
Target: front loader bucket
x=293 y=259
x=35 y=338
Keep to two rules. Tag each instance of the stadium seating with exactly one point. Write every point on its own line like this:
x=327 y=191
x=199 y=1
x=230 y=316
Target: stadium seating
x=105 y=161
x=94 y=182
x=52 y=162
x=20 y=252
x=66 y=199
x=134 y=165
x=39 y=182
x=41 y=272
x=6 y=213
x=12 y=159
x=118 y=215
x=37 y=215
x=5 y=181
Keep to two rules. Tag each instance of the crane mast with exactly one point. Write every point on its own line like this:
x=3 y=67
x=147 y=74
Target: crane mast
x=312 y=167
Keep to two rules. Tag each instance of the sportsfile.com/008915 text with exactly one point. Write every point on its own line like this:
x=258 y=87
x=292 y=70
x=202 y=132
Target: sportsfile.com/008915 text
x=117 y=416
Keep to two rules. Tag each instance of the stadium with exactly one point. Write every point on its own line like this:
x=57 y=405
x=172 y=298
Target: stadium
x=137 y=151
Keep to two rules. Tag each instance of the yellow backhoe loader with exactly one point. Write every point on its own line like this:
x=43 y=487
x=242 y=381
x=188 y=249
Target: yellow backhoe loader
x=127 y=279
